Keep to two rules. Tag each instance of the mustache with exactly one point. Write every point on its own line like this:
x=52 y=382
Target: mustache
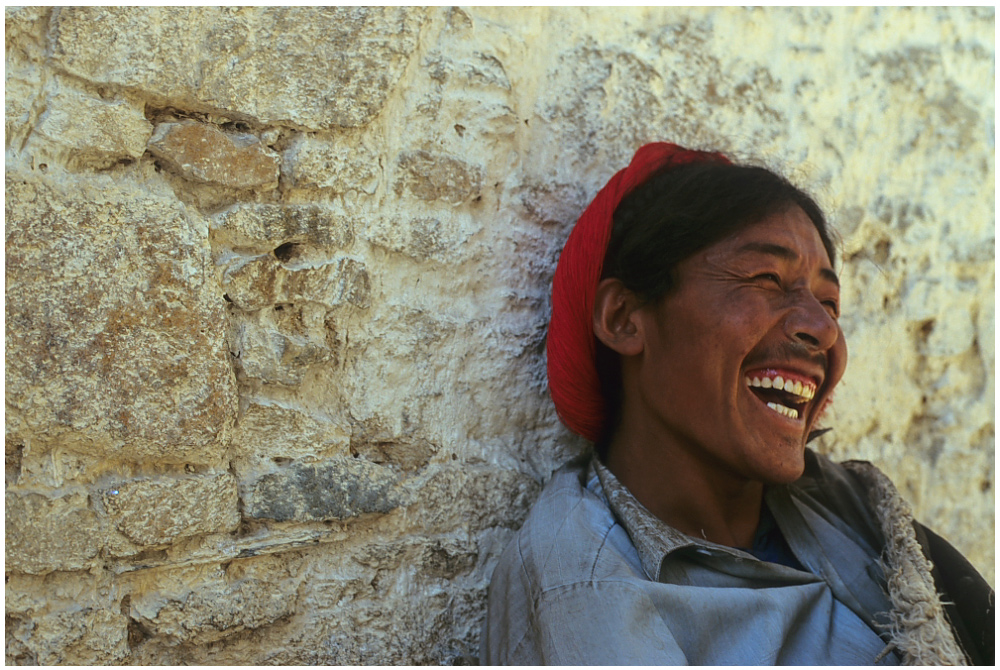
x=789 y=352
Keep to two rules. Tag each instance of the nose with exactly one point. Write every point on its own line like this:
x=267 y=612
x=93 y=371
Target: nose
x=810 y=323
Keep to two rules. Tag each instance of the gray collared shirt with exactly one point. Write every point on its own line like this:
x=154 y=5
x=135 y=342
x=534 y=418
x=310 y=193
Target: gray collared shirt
x=594 y=578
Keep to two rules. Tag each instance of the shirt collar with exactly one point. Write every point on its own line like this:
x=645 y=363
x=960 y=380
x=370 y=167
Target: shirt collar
x=653 y=539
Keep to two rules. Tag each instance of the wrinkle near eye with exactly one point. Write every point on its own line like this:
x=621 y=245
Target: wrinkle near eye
x=710 y=266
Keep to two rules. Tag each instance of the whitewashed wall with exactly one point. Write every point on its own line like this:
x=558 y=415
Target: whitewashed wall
x=278 y=286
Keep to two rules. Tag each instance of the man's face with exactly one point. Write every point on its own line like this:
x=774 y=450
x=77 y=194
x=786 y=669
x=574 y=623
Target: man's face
x=756 y=307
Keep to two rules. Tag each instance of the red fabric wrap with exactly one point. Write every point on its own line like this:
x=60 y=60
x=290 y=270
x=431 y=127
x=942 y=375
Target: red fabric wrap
x=571 y=346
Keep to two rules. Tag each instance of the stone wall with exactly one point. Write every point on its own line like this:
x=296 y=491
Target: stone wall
x=277 y=286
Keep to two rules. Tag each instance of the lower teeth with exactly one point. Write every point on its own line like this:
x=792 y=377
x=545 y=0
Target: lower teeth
x=786 y=411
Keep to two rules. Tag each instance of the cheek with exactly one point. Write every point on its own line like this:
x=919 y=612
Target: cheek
x=837 y=359
x=737 y=333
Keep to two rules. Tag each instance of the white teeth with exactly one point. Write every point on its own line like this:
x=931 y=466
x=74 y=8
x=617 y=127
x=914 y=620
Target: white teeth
x=806 y=391
x=784 y=411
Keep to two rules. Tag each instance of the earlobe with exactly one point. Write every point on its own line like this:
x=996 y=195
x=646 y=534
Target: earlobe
x=616 y=318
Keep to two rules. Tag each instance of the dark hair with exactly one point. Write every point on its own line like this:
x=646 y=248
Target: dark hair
x=670 y=217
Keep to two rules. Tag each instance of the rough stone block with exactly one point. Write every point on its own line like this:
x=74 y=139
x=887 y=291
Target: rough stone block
x=201 y=606
x=90 y=132
x=277 y=346
x=423 y=238
x=78 y=636
x=312 y=225
x=266 y=281
x=269 y=433
x=211 y=614
x=405 y=452
x=24 y=24
x=316 y=67
x=204 y=153
x=45 y=534
x=339 y=164
x=56 y=467
x=334 y=489
x=474 y=499
x=115 y=325
x=433 y=177
x=21 y=88
x=24 y=31
x=438 y=558
x=364 y=611
x=161 y=510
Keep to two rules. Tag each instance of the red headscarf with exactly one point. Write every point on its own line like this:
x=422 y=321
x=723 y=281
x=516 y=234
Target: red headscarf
x=572 y=366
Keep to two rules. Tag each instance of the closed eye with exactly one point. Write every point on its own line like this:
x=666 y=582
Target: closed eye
x=768 y=277
x=834 y=307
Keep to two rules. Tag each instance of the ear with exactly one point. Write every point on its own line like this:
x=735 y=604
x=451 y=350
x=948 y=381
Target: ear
x=616 y=318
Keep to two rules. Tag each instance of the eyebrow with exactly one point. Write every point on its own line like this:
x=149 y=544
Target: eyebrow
x=785 y=253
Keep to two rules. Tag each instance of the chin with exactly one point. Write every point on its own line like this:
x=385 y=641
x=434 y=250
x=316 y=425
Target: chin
x=786 y=477
x=787 y=468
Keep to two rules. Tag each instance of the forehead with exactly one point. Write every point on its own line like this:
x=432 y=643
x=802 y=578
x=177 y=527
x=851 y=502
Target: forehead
x=790 y=235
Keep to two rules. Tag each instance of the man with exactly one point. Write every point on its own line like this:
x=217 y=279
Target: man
x=695 y=340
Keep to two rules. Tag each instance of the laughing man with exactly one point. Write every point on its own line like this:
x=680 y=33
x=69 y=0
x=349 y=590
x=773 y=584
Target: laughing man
x=695 y=340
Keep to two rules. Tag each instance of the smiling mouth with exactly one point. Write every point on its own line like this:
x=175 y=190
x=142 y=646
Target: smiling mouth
x=782 y=394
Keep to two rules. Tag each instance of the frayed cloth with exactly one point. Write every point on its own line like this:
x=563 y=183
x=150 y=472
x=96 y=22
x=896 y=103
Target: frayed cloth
x=919 y=626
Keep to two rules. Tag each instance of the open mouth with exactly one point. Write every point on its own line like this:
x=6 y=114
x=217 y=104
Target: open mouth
x=786 y=394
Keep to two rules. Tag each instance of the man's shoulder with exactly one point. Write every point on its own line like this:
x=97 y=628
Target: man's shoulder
x=570 y=535
x=567 y=581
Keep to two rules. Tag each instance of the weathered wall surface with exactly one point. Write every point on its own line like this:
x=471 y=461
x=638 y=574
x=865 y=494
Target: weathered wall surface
x=277 y=291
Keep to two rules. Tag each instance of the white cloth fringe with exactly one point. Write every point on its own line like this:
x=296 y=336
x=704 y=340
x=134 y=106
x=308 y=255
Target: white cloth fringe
x=918 y=623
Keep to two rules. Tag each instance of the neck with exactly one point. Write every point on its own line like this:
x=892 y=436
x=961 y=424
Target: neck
x=684 y=486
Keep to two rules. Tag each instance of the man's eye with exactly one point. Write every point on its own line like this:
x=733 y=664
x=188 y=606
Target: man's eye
x=834 y=307
x=768 y=277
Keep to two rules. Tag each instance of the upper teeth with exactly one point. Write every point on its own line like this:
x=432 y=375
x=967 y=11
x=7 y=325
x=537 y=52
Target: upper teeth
x=806 y=391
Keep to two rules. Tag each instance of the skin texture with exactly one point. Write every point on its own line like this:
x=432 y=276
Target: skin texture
x=695 y=445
